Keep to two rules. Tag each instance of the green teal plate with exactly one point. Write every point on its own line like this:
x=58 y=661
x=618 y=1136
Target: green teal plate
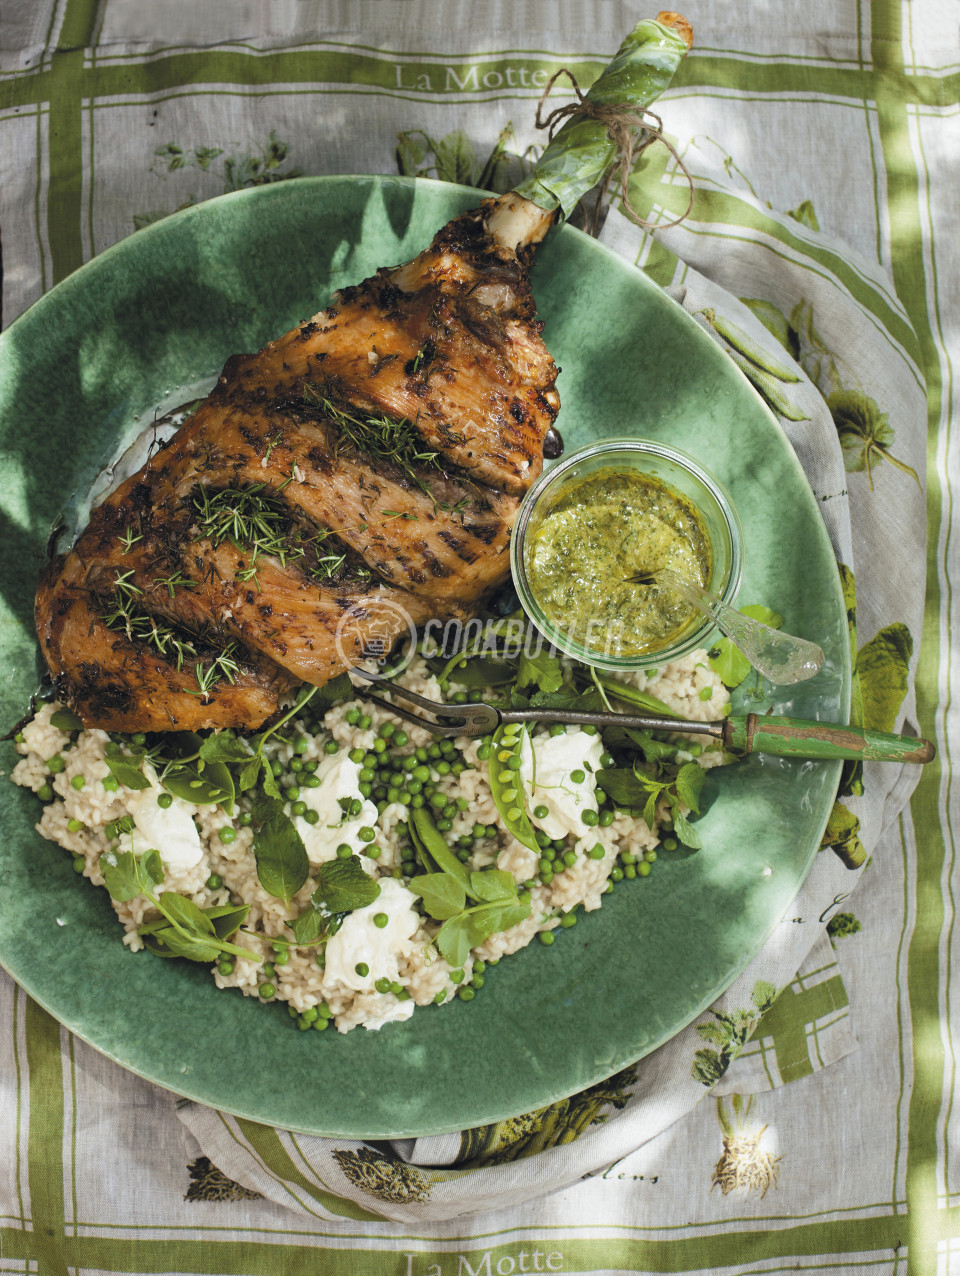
x=141 y=328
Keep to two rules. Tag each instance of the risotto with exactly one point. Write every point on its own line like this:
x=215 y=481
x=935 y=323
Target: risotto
x=353 y=865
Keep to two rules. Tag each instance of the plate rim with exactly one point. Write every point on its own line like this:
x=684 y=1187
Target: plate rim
x=104 y=260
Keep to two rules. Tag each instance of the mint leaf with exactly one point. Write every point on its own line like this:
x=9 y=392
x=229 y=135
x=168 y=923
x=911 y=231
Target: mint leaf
x=121 y=876
x=227 y=918
x=223 y=746
x=688 y=784
x=65 y=720
x=493 y=884
x=542 y=670
x=342 y=886
x=686 y=832
x=454 y=940
x=127 y=770
x=331 y=693
x=282 y=864
x=443 y=896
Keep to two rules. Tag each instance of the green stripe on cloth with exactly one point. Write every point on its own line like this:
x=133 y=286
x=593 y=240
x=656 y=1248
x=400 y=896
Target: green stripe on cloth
x=267 y=1145
x=713 y=208
x=45 y=1154
x=789 y=1019
x=923 y=967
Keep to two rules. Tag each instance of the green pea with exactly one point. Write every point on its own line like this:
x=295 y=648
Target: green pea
x=382 y=985
x=558 y=729
x=466 y=993
x=616 y=875
x=227 y=834
x=110 y=783
x=292 y=793
x=298 y=808
x=55 y=764
x=570 y=858
x=352 y=717
x=45 y=793
x=568 y=920
x=245 y=819
x=589 y=729
x=669 y=843
x=484 y=751
x=225 y=966
x=541 y=812
x=643 y=869
x=590 y=817
x=214 y=882
x=607 y=818
x=374 y=852
x=312 y=781
x=311 y=764
x=268 y=969
x=578 y=776
x=630 y=872
x=301 y=744
x=380 y=920
x=650 y=856
x=74 y=826
x=344 y=851
x=78 y=782
x=400 y=738
x=379 y=745
x=386 y=729
x=321 y=1025
x=266 y=991
x=79 y=864
x=296 y=765
x=281 y=956
x=311 y=816
x=357 y=755
x=364 y=721
x=331 y=747
x=607 y=759
x=362 y=969
x=596 y=852
x=546 y=937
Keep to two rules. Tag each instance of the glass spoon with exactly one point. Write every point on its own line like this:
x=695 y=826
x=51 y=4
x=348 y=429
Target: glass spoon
x=778 y=656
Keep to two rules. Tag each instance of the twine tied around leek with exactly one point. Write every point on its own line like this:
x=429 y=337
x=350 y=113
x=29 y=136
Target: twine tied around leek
x=631 y=129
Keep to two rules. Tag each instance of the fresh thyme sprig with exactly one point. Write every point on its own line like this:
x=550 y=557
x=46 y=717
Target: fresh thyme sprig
x=124 y=615
x=395 y=442
x=255 y=523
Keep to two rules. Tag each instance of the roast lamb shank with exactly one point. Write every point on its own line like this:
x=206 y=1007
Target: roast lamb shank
x=357 y=476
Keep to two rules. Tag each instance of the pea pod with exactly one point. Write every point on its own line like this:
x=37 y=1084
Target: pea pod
x=633 y=695
x=430 y=840
x=770 y=391
x=211 y=787
x=747 y=348
x=512 y=809
x=193 y=780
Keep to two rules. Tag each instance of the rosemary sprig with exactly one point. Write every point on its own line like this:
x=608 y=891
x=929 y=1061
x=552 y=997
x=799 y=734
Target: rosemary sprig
x=123 y=615
x=395 y=442
x=257 y=524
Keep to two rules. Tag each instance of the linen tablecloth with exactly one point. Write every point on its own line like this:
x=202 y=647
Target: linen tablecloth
x=807 y=1120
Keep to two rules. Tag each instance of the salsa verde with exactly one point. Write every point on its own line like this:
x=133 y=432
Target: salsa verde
x=602 y=529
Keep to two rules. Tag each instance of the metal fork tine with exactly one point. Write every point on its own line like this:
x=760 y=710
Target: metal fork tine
x=471 y=719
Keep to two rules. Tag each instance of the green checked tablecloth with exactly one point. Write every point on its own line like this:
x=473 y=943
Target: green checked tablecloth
x=808 y=1121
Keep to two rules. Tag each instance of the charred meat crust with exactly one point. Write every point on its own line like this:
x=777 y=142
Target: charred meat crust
x=364 y=539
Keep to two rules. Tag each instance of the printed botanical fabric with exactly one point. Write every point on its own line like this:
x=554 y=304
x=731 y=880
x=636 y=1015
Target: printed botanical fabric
x=822 y=149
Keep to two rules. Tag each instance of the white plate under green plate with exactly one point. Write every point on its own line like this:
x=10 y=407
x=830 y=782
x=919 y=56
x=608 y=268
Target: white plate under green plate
x=133 y=333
